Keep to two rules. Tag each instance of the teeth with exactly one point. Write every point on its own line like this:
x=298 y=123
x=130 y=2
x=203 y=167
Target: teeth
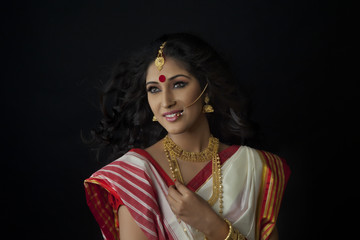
x=178 y=114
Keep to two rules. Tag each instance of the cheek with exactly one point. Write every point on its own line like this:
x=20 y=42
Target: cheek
x=151 y=102
x=191 y=96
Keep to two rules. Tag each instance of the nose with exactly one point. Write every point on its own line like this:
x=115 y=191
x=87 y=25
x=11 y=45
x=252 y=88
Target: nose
x=167 y=99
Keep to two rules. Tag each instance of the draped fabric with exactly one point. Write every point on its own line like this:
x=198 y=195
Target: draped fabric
x=253 y=184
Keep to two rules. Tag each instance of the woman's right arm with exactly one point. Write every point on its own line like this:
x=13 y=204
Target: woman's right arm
x=128 y=228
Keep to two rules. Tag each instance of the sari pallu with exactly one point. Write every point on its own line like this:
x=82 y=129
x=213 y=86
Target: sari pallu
x=253 y=184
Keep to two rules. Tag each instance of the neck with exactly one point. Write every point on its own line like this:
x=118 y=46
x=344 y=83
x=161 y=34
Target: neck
x=195 y=140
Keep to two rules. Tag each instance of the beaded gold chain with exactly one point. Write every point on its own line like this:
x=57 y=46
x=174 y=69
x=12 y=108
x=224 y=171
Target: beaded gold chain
x=174 y=152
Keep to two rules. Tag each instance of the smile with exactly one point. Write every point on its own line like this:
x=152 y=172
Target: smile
x=173 y=115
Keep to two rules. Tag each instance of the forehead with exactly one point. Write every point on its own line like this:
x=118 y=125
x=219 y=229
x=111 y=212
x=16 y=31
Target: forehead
x=171 y=68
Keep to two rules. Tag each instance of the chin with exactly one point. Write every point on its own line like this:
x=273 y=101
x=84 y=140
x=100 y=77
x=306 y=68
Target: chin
x=182 y=125
x=175 y=130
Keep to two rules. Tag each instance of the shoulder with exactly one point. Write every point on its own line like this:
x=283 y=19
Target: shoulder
x=155 y=151
x=134 y=158
x=275 y=164
x=270 y=162
x=275 y=170
x=131 y=167
x=266 y=157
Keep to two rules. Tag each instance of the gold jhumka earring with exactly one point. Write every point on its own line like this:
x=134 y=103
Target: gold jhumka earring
x=207 y=108
x=154 y=119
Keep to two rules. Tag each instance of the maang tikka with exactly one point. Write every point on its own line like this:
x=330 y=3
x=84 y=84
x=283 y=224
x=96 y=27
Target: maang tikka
x=159 y=63
x=160 y=60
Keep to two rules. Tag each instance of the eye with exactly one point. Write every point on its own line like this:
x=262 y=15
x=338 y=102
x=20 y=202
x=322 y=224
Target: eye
x=153 y=89
x=180 y=84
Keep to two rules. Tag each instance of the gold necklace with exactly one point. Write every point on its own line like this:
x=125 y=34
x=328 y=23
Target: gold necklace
x=174 y=152
x=202 y=156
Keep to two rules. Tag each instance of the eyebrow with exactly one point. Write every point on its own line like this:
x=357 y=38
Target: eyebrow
x=172 y=78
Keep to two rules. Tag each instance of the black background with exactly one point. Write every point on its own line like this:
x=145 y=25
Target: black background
x=292 y=57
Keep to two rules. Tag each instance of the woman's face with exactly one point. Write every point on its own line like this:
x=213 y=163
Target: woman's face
x=169 y=93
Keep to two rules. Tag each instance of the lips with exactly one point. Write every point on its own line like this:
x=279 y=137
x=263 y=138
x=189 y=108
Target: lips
x=173 y=115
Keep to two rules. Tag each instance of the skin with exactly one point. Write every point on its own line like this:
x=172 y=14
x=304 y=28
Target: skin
x=191 y=132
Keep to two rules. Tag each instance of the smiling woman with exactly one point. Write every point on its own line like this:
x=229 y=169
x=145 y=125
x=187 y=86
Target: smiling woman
x=185 y=175
x=168 y=99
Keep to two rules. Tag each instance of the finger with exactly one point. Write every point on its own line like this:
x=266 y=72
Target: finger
x=172 y=202
x=174 y=193
x=181 y=188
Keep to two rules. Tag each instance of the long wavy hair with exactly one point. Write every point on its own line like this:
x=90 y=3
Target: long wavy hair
x=127 y=117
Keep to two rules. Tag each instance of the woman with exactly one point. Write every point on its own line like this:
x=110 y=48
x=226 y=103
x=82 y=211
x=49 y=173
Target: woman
x=175 y=117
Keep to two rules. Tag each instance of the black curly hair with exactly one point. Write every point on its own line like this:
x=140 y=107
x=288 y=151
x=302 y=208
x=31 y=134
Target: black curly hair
x=127 y=121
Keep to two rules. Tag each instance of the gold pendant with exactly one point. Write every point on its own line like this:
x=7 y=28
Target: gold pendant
x=160 y=60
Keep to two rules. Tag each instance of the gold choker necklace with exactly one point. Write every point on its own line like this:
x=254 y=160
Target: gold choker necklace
x=174 y=152
x=203 y=156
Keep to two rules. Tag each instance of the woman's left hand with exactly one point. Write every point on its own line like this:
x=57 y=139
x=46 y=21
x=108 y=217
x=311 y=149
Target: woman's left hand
x=196 y=212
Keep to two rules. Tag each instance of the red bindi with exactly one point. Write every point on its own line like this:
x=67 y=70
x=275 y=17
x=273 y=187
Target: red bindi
x=162 y=78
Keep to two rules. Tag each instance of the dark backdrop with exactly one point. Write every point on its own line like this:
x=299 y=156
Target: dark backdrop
x=291 y=57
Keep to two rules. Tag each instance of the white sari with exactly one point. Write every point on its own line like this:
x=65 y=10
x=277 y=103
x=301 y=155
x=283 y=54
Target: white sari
x=253 y=184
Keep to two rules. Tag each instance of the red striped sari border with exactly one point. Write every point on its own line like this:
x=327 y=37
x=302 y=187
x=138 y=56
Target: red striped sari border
x=273 y=183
